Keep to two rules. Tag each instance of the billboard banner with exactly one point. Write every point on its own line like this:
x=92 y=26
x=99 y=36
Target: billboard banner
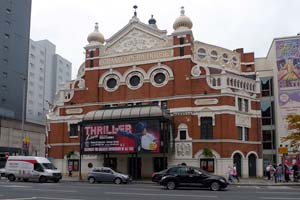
x=121 y=137
x=288 y=72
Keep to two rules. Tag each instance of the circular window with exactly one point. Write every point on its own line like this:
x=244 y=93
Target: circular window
x=111 y=83
x=214 y=55
x=234 y=60
x=201 y=53
x=159 y=78
x=134 y=81
x=225 y=58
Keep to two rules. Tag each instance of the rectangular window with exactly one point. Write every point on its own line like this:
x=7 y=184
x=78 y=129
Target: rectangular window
x=246 y=134
x=248 y=68
x=267 y=112
x=246 y=102
x=73 y=165
x=269 y=139
x=73 y=130
x=267 y=86
x=240 y=133
x=240 y=104
x=182 y=135
x=206 y=128
x=207 y=165
x=91 y=63
x=181 y=51
x=181 y=40
x=5 y=48
x=8 y=11
x=4 y=75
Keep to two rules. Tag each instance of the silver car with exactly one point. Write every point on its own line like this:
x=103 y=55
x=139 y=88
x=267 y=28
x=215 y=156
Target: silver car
x=106 y=174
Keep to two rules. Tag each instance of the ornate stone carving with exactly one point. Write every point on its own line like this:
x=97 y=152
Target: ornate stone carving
x=135 y=40
x=184 y=150
x=243 y=120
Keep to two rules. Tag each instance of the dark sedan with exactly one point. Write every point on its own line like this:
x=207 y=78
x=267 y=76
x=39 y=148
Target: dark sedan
x=191 y=176
x=156 y=176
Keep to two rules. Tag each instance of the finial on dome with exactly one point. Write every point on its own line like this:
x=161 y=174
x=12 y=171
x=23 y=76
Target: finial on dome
x=96 y=27
x=182 y=22
x=182 y=10
x=135 y=7
x=96 y=36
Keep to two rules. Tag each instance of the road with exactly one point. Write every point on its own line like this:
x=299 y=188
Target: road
x=86 y=191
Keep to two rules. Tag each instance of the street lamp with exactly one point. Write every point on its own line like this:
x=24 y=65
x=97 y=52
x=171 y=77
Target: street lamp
x=25 y=140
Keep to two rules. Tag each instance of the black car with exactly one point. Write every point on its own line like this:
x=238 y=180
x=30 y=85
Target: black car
x=192 y=176
x=156 y=176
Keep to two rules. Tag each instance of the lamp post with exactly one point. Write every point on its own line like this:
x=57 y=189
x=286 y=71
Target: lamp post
x=25 y=141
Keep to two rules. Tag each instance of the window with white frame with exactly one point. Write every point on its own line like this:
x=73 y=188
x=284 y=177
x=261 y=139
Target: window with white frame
x=243 y=104
x=243 y=133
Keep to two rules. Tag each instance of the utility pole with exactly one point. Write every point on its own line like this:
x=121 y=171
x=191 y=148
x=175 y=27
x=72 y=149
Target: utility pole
x=24 y=140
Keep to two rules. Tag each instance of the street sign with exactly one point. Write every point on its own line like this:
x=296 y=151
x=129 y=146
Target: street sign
x=282 y=150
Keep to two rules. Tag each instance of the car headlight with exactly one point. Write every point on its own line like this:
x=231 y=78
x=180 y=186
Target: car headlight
x=222 y=180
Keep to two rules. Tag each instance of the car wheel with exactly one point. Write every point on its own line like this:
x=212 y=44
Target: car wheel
x=117 y=181
x=215 y=186
x=56 y=180
x=11 y=177
x=25 y=179
x=171 y=185
x=92 y=180
x=43 y=179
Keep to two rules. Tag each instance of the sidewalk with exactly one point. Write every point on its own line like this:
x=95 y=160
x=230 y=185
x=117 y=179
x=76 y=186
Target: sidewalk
x=244 y=181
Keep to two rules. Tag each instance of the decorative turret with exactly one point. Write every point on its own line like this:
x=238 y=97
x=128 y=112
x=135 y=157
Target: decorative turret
x=152 y=22
x=95 y=36
x=182 y=22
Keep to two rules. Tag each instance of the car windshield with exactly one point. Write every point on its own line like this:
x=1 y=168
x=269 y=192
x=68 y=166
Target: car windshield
x=200 y=171
x=48 y=166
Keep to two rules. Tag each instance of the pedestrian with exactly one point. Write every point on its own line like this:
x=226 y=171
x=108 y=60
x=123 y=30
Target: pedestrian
x=235 y=174
x=270 y=171
x=287 y=173
x=279 y=173
x=70 y=170
x=295 y=169
x=230 y=174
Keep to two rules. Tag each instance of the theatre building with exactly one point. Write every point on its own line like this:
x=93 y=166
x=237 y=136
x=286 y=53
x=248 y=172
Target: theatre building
x=144 y=100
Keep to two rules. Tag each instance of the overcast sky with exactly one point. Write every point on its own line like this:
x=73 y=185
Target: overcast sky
x=231 y=24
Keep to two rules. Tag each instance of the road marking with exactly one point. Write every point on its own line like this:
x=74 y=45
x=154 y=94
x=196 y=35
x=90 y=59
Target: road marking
x=281 y=192
x=21 y=198
x=280 y=198
x=169 y=195
x=53 y=198
x=46 y=190
x=15 y=186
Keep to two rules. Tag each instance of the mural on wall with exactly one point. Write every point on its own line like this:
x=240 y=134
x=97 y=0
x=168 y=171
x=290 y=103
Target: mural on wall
x=288 y=73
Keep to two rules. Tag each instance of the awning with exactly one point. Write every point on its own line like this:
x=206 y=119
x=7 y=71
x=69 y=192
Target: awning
x=126 y=113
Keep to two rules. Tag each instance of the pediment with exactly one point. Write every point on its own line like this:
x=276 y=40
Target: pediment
x=135 y=37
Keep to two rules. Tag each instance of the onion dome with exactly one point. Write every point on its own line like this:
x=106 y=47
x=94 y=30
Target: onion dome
x=152 y=22
x=182 y=21
x=96 y=36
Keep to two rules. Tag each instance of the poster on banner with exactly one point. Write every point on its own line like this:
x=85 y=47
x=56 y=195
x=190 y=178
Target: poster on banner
x=288 y=72
x=121 y=137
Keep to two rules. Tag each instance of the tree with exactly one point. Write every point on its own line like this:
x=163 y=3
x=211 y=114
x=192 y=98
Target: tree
x=294 y=126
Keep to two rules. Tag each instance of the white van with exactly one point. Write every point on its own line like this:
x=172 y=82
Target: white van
x=30 y=167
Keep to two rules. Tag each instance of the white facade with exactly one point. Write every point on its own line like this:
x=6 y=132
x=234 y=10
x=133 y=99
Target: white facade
x=268 y=67
x=45 y=71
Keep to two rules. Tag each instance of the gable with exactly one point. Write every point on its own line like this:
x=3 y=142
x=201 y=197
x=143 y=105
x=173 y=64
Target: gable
x=136 y=40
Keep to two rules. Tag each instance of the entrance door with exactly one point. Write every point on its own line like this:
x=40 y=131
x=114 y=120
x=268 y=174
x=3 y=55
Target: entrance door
x=237 y=161
x=159 y=164
x=135 y=167
x=252 y=165
x=111 y=163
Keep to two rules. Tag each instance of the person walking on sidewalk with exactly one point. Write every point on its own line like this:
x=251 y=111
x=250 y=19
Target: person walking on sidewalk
x=235 y=174
x=230 y=174
x=270 y=171
x=279 y=174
